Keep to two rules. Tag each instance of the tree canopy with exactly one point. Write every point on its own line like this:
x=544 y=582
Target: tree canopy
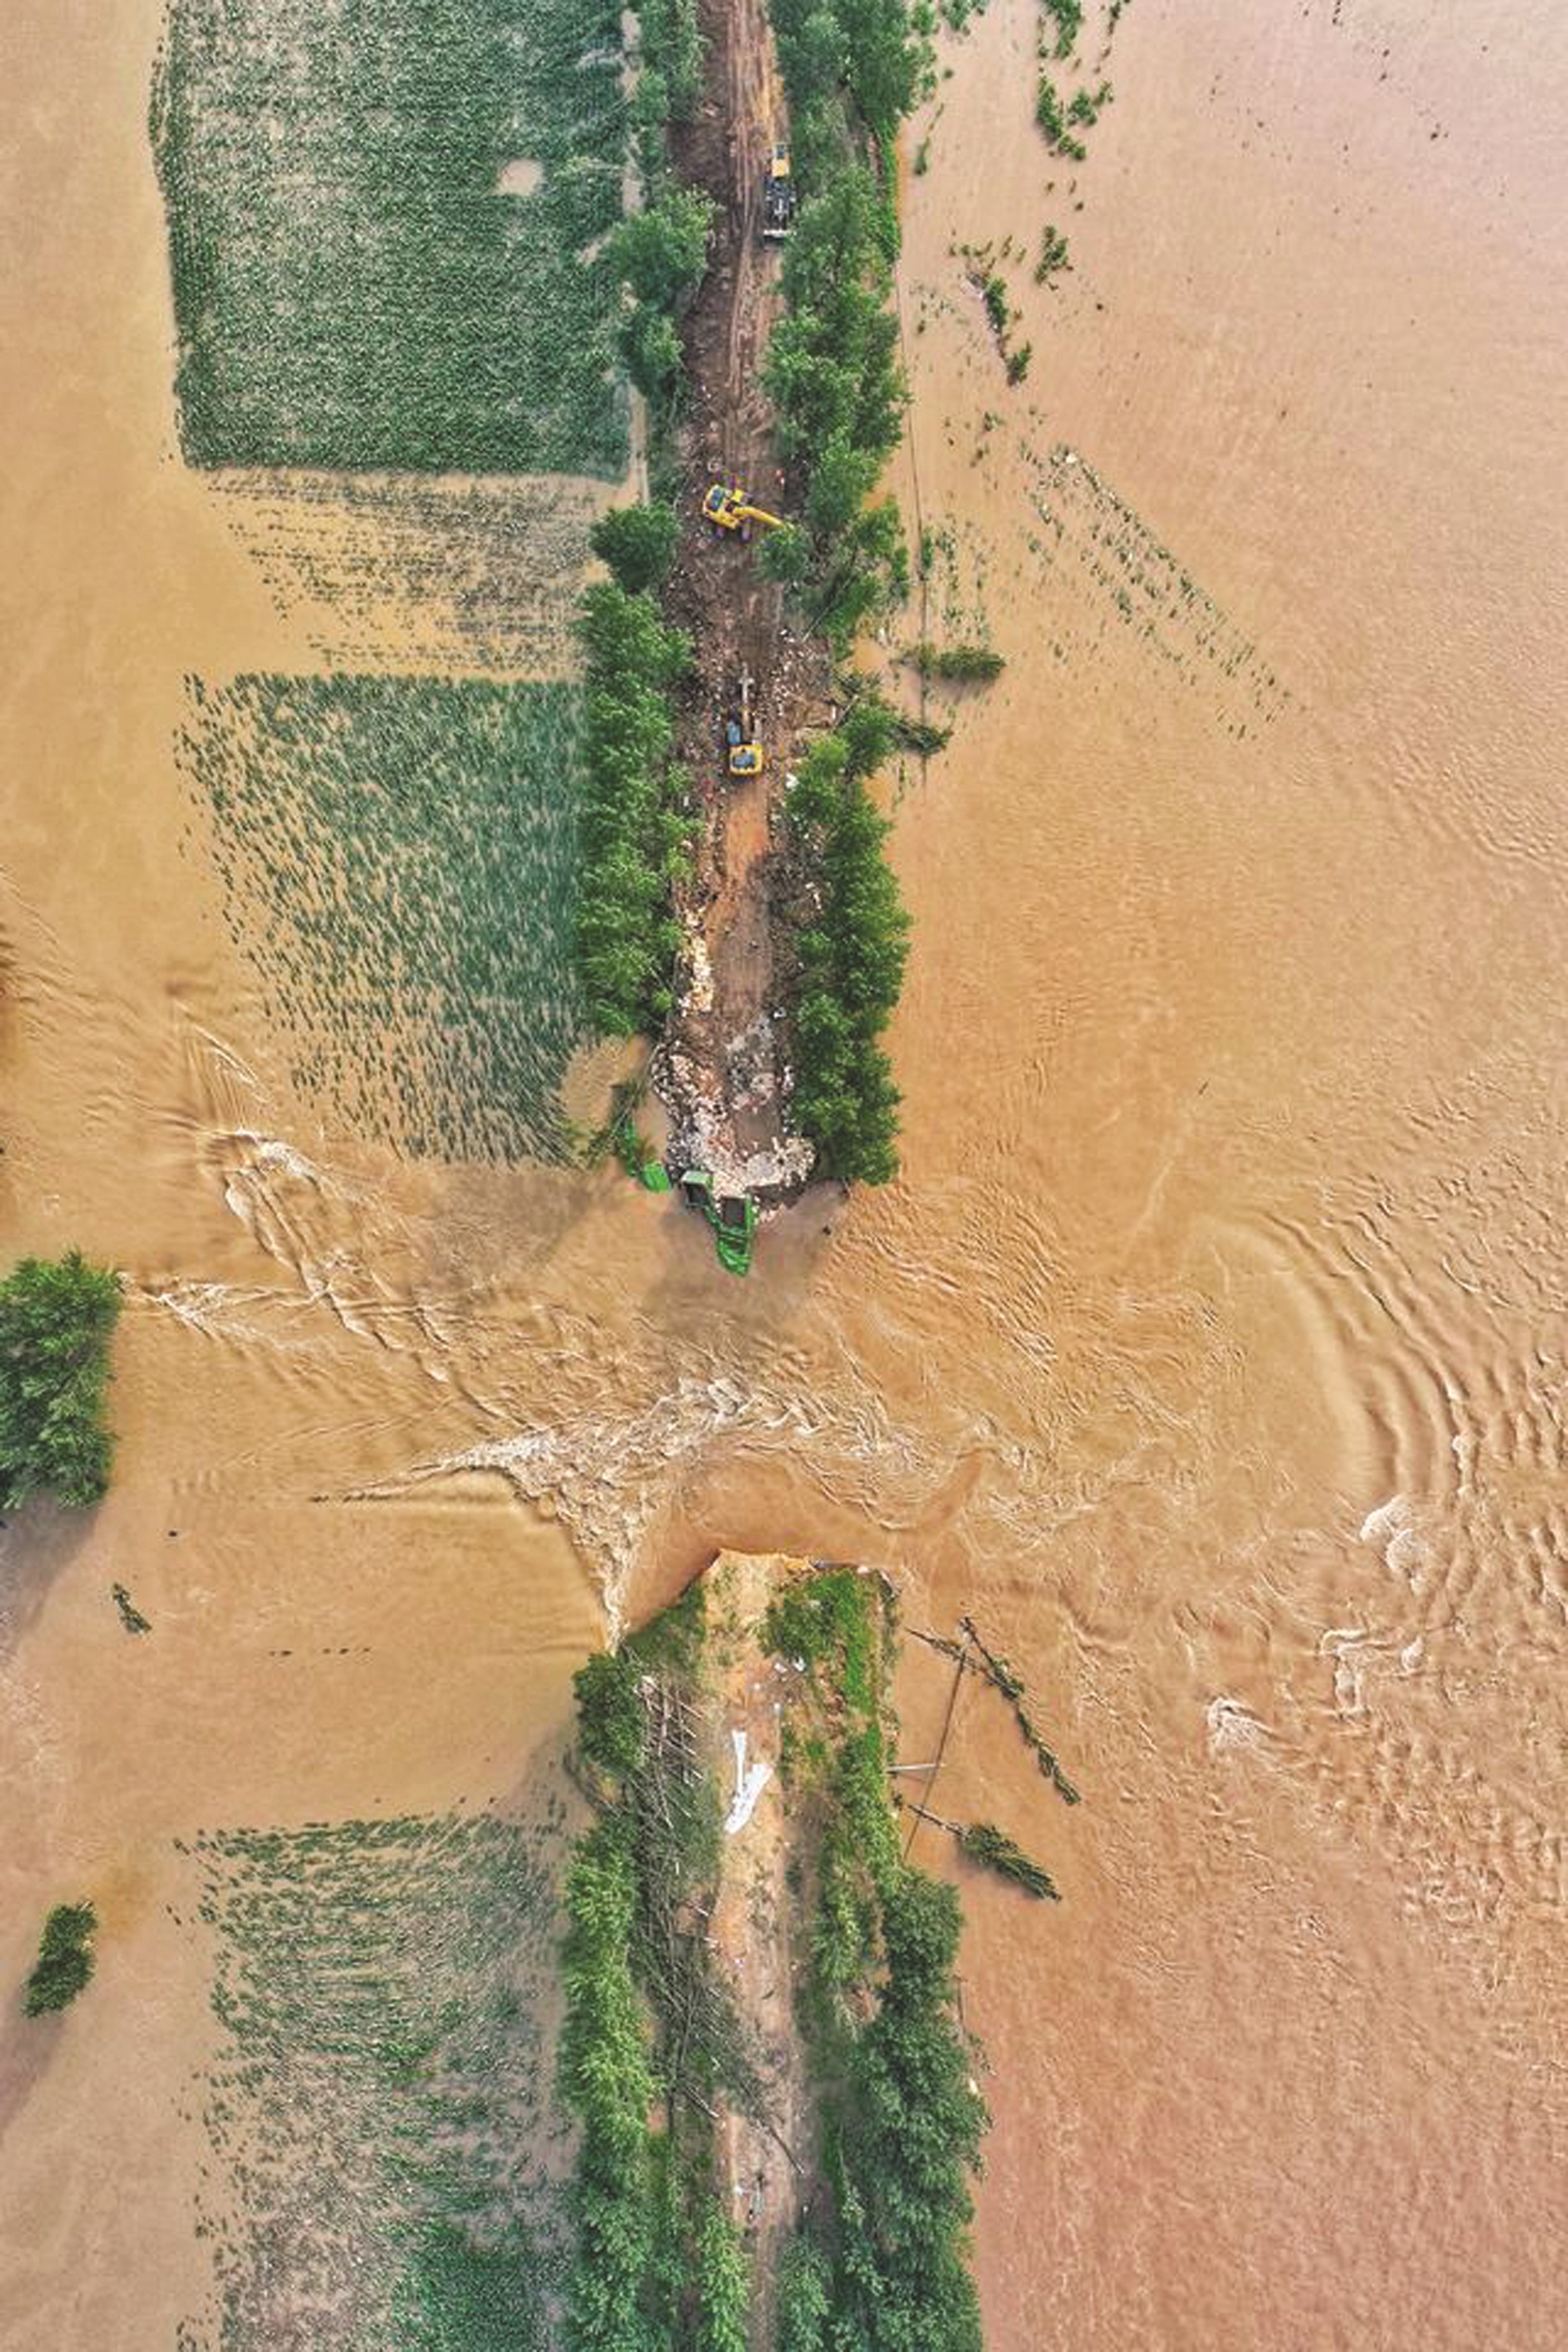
x=852 y=958
x=56 y=1316
x=65 y=1959
x=637 y=543
x=631 y=835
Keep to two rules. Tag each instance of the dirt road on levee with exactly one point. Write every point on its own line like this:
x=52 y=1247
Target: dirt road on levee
x=722 y=1070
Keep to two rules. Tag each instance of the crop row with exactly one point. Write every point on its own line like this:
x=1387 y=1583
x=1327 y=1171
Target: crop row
x=356 y=285
x=398 y=857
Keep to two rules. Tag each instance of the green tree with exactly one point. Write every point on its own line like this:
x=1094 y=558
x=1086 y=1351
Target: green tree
x=612 y=1724
x=884 y=61
x=820 y=780
x=65 y=1959
x=842 y=479
x=672 y=45
x=661 y=252
x=912 y=2140
x=651 y=349
x=607 y=2081
x=721 y=2285
x=804 y=2297
x=57 y=1317
x=637 y=543
x=852 y=957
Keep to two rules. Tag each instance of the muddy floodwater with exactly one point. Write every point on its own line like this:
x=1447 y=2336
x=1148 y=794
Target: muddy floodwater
x=1212 y=1350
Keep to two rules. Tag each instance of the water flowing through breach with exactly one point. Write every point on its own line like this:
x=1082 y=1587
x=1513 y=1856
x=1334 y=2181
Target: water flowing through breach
x=1210 y=1352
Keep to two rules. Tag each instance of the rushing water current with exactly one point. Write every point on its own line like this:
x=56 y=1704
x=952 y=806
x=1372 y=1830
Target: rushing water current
x=1211 y=1350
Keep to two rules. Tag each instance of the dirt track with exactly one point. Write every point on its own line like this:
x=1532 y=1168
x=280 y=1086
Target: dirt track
x=764 y=2157
x=722 y=1071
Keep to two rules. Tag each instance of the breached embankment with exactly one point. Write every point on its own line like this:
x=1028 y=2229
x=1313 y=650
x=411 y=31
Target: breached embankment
x=788 y=936
x=722 y=1070
x=762 y=2047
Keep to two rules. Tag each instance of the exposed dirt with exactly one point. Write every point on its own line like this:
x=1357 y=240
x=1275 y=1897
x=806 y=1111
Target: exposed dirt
x=722 y=1072
x=766 y=2160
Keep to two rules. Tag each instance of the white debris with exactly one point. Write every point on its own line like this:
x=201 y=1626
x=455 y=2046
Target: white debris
x=749 y=1787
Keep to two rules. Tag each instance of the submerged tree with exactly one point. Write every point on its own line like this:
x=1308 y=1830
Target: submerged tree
x=65 y=1959
x=56 y=1321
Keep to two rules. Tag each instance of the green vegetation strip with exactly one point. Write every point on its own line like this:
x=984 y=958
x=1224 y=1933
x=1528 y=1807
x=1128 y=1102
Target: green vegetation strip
x=57 y=1318
x=634 y=830
x=853 y=70
x=378 y=2111
x=657 y=2266
x=652 y=2046
x=963 y=664
x=881 y=2263
x=984 y=1843
x=354 y=284
x=633 y=837
x=851 y=955
x=399 y=861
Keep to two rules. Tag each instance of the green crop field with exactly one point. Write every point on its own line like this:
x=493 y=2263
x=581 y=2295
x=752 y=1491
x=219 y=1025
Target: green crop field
x=353 y=285
x=398 y=858
x=379 y=2112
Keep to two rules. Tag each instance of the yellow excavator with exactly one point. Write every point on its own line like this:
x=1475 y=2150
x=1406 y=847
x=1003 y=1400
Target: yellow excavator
x=744 y=754
x=727 y=508
x=780 y=202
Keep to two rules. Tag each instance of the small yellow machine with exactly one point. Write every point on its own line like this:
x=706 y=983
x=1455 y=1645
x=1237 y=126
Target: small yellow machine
x=727 y=508
x=744 y=754
x=780 y=203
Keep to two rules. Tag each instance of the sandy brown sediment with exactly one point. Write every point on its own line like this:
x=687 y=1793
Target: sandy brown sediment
x=1208 y=1350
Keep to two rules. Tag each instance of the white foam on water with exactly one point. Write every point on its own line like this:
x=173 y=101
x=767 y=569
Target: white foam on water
x=1393 y=1526
x=219 y=1311
x=1232 y=1724
x=1343 y=1644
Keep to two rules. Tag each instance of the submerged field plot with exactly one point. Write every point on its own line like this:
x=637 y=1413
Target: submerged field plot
x=399 y=859
x=364 y=274
x=379 y=2113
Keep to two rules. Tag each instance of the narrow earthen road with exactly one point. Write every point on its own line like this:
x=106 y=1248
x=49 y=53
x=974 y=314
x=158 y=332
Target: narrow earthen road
x=722 y=1072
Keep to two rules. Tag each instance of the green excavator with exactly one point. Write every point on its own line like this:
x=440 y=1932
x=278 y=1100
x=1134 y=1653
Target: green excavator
x=732 y=1215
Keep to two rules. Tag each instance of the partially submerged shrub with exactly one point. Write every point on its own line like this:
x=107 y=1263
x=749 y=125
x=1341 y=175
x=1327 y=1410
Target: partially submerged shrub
x=65 y=1959
x=56 y=1316
x=962 y=662
x=612 y=1727
x=988 y=1845
x=1069 y=18
x=1053 y=254
x=1052 y=117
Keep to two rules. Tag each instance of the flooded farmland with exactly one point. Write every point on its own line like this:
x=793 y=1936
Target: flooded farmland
x=1210 y=1351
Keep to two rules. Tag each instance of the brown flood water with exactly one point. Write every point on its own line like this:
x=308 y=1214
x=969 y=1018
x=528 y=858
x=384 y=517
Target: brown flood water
x=1212 y=1349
